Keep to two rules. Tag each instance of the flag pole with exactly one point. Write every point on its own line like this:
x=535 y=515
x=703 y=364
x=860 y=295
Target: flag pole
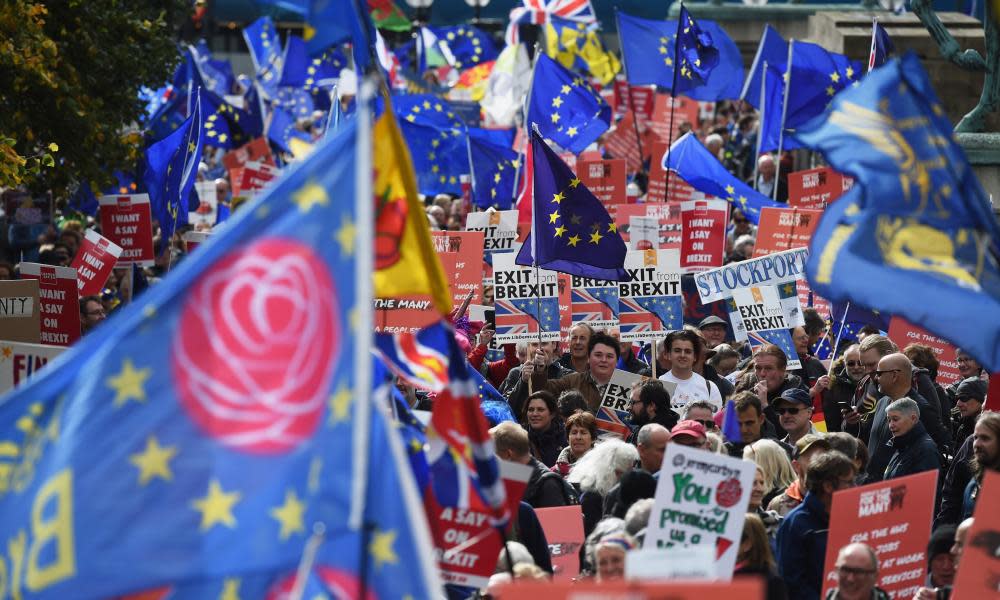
x=472 y=168
x=524 y=116
x=843 y=323
x=673 y=95
x=631 y=100
x=760 y=125
x=781 y=129
x=307 y=561
x=871 y=52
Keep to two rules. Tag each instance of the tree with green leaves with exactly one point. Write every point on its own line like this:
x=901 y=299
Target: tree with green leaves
x=70 y=73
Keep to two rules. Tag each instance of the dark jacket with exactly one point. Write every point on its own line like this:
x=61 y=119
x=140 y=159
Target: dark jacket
x=913 y=452
x=726 y=389
x=964 y=427
x=530 y=533
x=581 y=382
x=801 y=544
x=629 y=362
x=812 y=369
x=516 y=391
x=877 y=594
x=955 y=480
x=544 y=492
x=546 y=445
x=937 y=423
x=566 y=360
x=791 y=381
x=837 y=396
x=878 y=441
x=773 y=584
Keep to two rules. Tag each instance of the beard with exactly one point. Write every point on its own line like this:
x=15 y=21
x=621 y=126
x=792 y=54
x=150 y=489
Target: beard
x=641 y=419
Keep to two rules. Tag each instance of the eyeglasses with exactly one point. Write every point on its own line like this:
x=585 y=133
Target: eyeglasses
x=790 y=410
x=854 y=571
x=96 y=313
x=706 y=423
x=881 y=373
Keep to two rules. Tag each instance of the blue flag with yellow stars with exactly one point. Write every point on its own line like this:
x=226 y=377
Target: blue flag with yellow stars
x=566 y=109
x=649 y=51
x=493 y=173
x=572 y=231
x=298 y=102
x=771 y=133
x=695 y=164
x=171 y=170
x=423 y=109
x=202 y=433
x=696 y=54
x=917 y=228
x=169 y=116
x=225 y=125
x=331 y=22
x=544 y=311
x=282 y=129
x=467 y=46
x=266 y=53
x=817 y=76
x=440 y=157
x=772 y=50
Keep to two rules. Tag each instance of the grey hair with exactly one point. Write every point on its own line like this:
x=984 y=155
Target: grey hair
x=905 y=406
x=518 y=552
x=599 y=470
x=637 y=516
x=646 y=432
x=604 y=528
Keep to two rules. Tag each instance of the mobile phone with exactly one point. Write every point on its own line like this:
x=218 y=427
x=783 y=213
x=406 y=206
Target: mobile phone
x=491 y=319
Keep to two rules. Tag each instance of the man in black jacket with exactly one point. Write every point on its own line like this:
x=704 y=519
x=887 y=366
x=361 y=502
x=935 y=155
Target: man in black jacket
x=913 y=450
x=510 y=442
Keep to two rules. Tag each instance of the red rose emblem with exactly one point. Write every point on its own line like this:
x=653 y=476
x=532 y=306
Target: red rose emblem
x=728 y=492
x=257 y=346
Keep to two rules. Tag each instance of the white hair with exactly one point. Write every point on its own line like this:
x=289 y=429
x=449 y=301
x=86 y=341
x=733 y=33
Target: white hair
x=600 y=469
x=518 y=552
x=637 y=516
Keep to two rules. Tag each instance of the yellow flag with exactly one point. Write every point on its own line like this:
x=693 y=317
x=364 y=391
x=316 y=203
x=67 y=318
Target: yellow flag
x=405 y=260
x=577 y=48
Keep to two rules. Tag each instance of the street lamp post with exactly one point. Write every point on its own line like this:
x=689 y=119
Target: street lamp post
x=423 y=10
x=477 y=6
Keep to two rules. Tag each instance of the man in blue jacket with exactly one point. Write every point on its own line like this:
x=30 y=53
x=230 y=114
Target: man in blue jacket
x=913 y=450
x=801 y=538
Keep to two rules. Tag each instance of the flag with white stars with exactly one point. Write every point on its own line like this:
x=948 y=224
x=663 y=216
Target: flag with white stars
x=695 y=164
x=565 y=108
x=171 y=169
x=572 y=231
x=650 y=53
x=202 y=432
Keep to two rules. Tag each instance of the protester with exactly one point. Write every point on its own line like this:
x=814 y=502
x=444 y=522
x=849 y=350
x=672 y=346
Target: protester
x=702 y=412
x=802 y=535
x=597 y=472
x=943 y=592
x=967 y=367
x=689 y=433
x=766 y=181
x=845 y=373
x=754 y=558
x=807 y=449
x=772 y=459
x=753 y=425
x=940 y=562
x=970 y=396
x=725 y=359
x=637 y=518
x=924 y=361
x=772 y=380
x=570 y=403
x=857 y=574
x=894 y=379
x=546 y=430
x=986 y=451
x=684 y=348
x=602 y=352
x=92 y=313
x=812 y=372
x=651 y=404
x=606 y=527
x=794 y=409
x=913 y=450
x=713 y=331
x=610 y=555
x=541 y=360
x=545 y=488
x=576 y=358
x=582 y=428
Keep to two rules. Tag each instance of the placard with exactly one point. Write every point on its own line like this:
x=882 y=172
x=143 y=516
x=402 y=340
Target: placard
x=903 y=333
x=526 y=301
x=606 y=179
x=207 y=212
x=685 y=111
x=253 y=177
x=499 y=228
x=128 y=223
x=785 y=228
x=94 y=262
x=816 y=188
x=20 y=362
x=563 y=527
x=703 y=234
x=621 y=142
x=660 y=564
x=614 y=416
x=466 y=543
x=894 y=518
x=411 y=313
x=59 y=302
x=808 y=298
x=257 y=150
x=465 y=272
x=20 y=312
x=193 y=239
x=659 y=225
x=745 y=588
x=594 y=302
x=773 y=269
x=759 y=309
x=23 y=209
x=650 y=302
x=638 y=98
x=701 y=498
x=977 y=571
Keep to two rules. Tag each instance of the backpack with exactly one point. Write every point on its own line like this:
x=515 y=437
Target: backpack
x=570 y=495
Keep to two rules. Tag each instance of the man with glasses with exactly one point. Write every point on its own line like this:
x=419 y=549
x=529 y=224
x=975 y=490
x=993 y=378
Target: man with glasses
x=802 y=536
x=769 y=366
x=701 y=412
x=92 y=313
x=857 y=572
x=967 y=367
x=794 y=410
x=846 y=372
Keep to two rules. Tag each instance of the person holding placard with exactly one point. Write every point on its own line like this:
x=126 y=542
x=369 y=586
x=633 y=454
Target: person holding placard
x=857 y=573
x=685 y=348
x=602 y=352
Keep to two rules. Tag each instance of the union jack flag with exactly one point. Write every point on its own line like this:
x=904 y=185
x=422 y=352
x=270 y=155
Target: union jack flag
x=597 y=306
x=420 y=358
x=516 y=315
x=538 y=11
x=614 y=422
x=781 y=338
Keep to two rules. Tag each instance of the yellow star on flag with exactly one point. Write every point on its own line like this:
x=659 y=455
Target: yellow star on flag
x=668 y=61
x=340 y=405
x=663 y=50
x=345 y=236
x=574 y=182
x=849 y=72
x=560 y=231
x=154 y=461
x=558 y=197
x=496 y=177
x=128 y=383
x=555 y=117
x=290 y=515
x=216 y=507
x=557 y=102
x=835 y=77
x=553 y=217
x=565 y=89
x=730 y=190
x=573 y=240
x=572 y=131
x=830 y=91
x=381 y=548
x=612 y=227
x=230 y=589
x=310 y=195
x=595 y=237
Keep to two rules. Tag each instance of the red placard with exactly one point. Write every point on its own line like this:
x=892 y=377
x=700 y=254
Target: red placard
x=58 y=300
x=257 y=150
x=254 y=176
x=467 y=544
x=903 y=333
x=563 y=527
x=685 y=111
x=622 y=142
x=410 y=313
x=94 y=262
x=127 y=221
x=977 y=571
x=467 y=272
x=668 y=215
x=816 y=188
x=746 y=588
x=782 y=229
x=703 y=234
x=641 y=100
x=193 y=239
x=894 y=518
x=606 y=179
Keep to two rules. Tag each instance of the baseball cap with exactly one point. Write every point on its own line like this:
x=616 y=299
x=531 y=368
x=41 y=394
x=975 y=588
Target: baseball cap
x=711 y=320
x=972 y=388
x=689 y=427
x=796 y=395
x=810 y=441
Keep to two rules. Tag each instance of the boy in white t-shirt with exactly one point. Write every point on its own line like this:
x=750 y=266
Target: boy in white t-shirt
x=684 y=347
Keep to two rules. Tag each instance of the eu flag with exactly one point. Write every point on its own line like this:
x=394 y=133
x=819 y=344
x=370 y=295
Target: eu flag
x=296 y=60
x=695 y=164
x=771 y=108
x=331 y=22
x=572 y=231
x=467 y=46
x=493 y=172
x=169 y=116
x=649 y=47
x=696 y=54
x=283 y=129
x=264 y=45
x=440 y=157
x=199 y=435
x=918 y=229
x=817 y=75
x=171 y=169
x=566 y=109
x=225 y=125
x=773 y=50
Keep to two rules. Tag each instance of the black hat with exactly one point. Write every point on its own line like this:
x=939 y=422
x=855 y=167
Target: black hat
x=796 y=395
x=941 y=541
x=972 y=388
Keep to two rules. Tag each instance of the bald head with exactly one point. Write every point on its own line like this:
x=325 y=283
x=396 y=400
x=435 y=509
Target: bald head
x=858 y=553
x=961 y=533
x=895 y=375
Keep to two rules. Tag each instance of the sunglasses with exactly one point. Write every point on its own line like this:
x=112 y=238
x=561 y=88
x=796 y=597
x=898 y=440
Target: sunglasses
x=788 y=410
x=881 y=373
x=706 y=423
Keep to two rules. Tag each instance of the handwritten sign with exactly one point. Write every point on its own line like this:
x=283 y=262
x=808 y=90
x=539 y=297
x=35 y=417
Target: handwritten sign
x=20 y=315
